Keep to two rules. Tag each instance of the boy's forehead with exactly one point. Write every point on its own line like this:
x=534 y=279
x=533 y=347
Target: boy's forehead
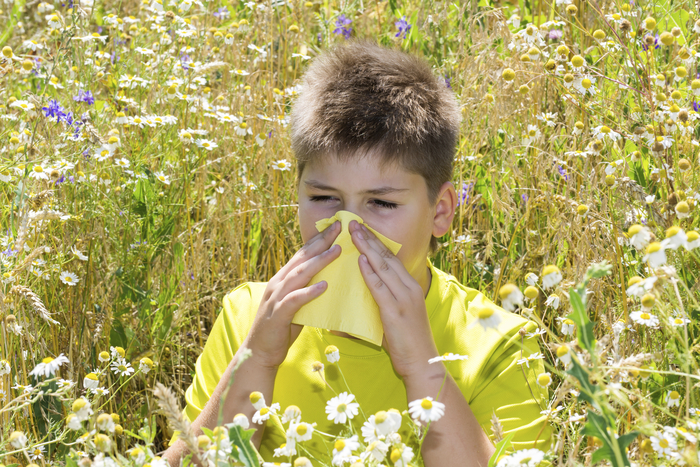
x=358 y=171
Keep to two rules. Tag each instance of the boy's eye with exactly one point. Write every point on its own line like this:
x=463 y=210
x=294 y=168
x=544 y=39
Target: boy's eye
x=385 y=204
x=321 y=198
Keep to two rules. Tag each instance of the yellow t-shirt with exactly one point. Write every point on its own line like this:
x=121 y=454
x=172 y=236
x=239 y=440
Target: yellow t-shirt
x=490 y=379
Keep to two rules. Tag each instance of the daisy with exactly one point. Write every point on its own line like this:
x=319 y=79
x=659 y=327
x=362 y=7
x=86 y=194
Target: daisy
x=38 y=172
x=647 y=319
x=463 y=239
x=531 y=357
x=536 y=332
x=523 y=458
x=664 y=444
x=676 y=322
x=264 y=413
x=300 y=431
x=426 y=409
x=605 y=132
x=401 y=456
x=258 y=400
x=123 y=163
x=544 y=379
x=332 y=354
x=486 y=316
x=655 y=255
x=675 y=238
x=585 y=85
x=281 y=165
x=78 y=254
x=448 y=357
x=145 y=365
x=342 y=450
x=18 y=440
x=638 y=287
x=242 y=421
x=341 y=408
x=4 y=367
x=673 y=399
x=122 y=367
x=73 y=423
x=99 y=391
x=82 y=408
x=531 y=278
x=69 y=278
x=553 y=301
x=103 y=356
x=568 y=327
x=511 y=297
x=64 y=384
x=693 y=240
x=242 y=129
x=639 y=236
x=576 y=418
x=375 y=450
x=206 y=144
x=90 y=381
x=160 y=176
x=24 y=105
x=551 y=276
x=36 y=453
x=49 y=366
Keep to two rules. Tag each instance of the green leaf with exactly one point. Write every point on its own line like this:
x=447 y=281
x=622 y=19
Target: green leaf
x=501 y=448
x=585 y=327
x=588 y=390
x=246 y=453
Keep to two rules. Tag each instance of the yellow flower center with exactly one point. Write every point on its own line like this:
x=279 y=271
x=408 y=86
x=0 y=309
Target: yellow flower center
x=674 y=395
x=342 y=408
x=301 y=430
x=121 y=368
x=380 y=417
x=264 y=411
x=485 y=312
x=426 y=404
x=645 y=316
x=38 y=169
x=586 y=83
x=663 y=443
x=339 y=445
x=47 y=360
x=604 y=129
x=137 y=120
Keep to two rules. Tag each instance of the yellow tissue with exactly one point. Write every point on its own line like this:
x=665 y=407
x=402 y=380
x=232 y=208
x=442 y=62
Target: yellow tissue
x=347 y=304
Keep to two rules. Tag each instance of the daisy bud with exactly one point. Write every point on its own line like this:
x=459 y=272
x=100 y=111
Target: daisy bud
x=634 y=280
x=242 y=421
x=508 y=74
x=684 y=164
x=18 y=440
x=90 y=381
x=293 y=28
x=7 y=51
x=317 y=366
x=681 y=72
x=489 y=98
x=27 y=65
x=332 y=354
x=104 y=355
x=172 y=89
x=563 y=50
x=73 y=422
x=531 y=292
x=550 y=65
x=102 y=442
x=684 y=54
x=683 y=115
x=568 y=78
x=115 y=417
x=104 y=421
x=582 y=209
x=203 y=442
x=118 y=429
x=544 y=379
x=572 y=10
x=610 y=180
x=682 y=210
x=667 y=38
x=511 y=297
x=649 y=23
x=523 y=89
x=599 y=34
x=676 y=31
x=577 y=61
x=579 y=126
x=648 y=301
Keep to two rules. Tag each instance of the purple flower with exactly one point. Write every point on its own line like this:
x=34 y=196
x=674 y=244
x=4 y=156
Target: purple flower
x=448 y=81
x=319 y=36
x=524 y=197
x=656 y=43
x=696 y=106
x=54 y=110
x=85 y=96
x=555 y=34
x=463 y=195
x=340 y=26
x=222 y=13
x=403 y=26
x=562 y=172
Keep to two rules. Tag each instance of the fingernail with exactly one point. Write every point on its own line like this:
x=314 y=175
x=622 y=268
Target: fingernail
x=363 y=258
x=364 y=228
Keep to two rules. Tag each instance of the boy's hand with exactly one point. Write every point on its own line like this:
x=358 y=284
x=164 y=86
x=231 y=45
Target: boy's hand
x=407 y=334
x=272 y=332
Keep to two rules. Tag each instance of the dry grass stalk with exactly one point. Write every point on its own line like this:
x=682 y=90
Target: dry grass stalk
x=496 y=428
x=40 y=199
x=32 y=256
x=168 y=404
x=35 y=301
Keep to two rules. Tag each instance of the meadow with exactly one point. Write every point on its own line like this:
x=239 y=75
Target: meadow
x=146 y=171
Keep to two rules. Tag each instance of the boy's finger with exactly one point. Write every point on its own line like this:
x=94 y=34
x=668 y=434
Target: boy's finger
x=304 y=272
x=377 y=287
x=381 y=265
x=294 y=300
x=387 y=255
x=314 y=247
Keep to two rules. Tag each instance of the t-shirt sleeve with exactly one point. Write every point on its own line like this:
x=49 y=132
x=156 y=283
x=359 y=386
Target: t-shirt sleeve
x=511 y=391
x=229 y=330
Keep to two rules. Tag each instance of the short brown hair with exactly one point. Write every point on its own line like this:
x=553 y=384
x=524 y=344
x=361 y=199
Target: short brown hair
x=361 y=98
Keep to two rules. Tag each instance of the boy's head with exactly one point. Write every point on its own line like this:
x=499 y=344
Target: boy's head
x=365 y=108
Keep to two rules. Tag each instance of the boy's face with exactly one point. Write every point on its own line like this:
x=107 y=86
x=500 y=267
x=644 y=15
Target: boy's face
x=391 y=200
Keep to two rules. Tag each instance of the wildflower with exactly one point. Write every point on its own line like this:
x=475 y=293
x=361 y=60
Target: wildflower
x=258 y=400
x=640 y=236
x=82 y=408
x=123 y=163
x=676 y=322
x=376 y=450
x=281 y=165
x=316 y=367
x=637 y=287
x=511 y=297
x=36 y=453
x=341 y=408
x=264 y=413
x=553 y=301
x=463 y=239
x=673 y=399
x=642 y=317
x=145 y=365
x=655 y=255
x=341 y=26
x=24 y=105
x=38 y=172
x=18 y=440
x=90 y=381
x=242 y=421
x=206 y=144
x=603 y=132
x=49 y=366
x=84 y=96
x=122 y=367
x=448 y=357
x=291 y=414
x=242 y=129
x=332 y=354
x=531 y=278
x=585 y=85
x=551 y=276
x=426 y=409
x=73 y=422
x=4 y=368
x=105 y=423
x=544 y=379
x=692 y=241
x=300 y=431
x=103 y=356
x=69 y=278
x=403 y=26
x=529 y=358
x=102 y=442
x=675 y=238
x=523 y=458
x=564 y=355
x=342 y=450
x=664 y=444
x=401 y=455
x=486 y=316
x=536 y=332
x=568 y=327
x=162 y=178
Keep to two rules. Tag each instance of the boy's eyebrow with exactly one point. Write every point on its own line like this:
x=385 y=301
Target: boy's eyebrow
x=384 y=190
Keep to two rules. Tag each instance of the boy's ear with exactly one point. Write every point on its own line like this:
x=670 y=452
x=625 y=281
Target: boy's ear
x=444 y=209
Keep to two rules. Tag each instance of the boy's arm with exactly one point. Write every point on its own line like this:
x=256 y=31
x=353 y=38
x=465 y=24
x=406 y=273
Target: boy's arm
x=269 y=338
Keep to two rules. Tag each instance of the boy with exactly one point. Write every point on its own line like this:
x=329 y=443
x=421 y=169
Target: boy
x=374 y=133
